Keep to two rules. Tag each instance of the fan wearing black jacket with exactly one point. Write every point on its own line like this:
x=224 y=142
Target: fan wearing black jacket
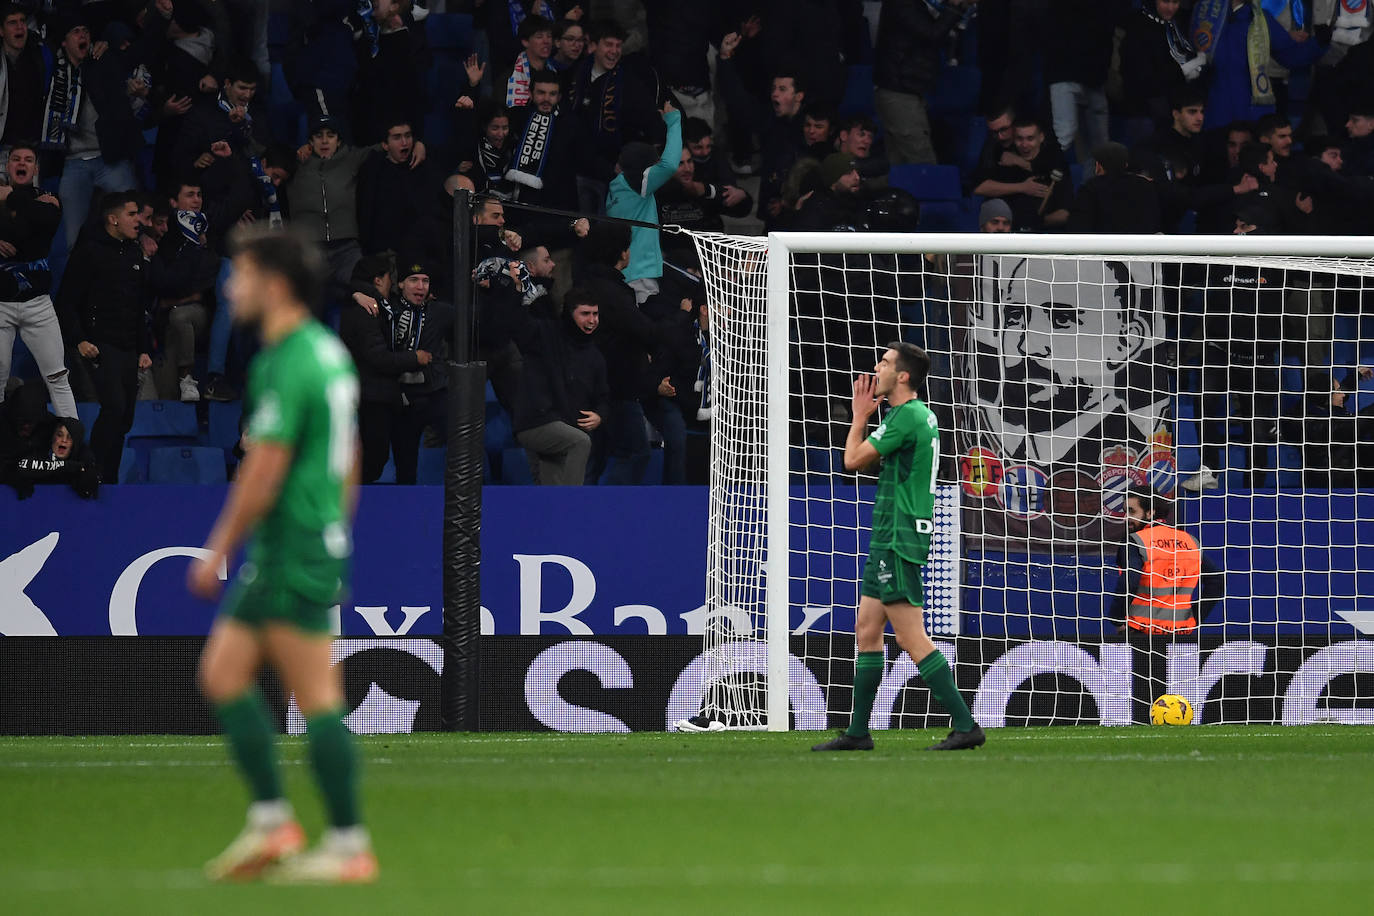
x=630 y=342
x=381 y=365
x=563 y=389
x=906 y=64
x=61 y=458
x=102 y=305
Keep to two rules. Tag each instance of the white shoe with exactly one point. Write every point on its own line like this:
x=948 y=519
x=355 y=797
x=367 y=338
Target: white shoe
x=1204 y=479
x=255 y=849
x=326 y=866
x=190 y=389
x=698 y=724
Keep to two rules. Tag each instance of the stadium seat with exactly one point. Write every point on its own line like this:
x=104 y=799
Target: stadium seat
x=947 y=216
x=1288 y=460
x=430 y=471
x=164 y=419
x=515 y=468
x=388 y=471
x=132 y=467
x=858 y=91
x=498 y=434
x=449 y=32
x=224 y=424
x=927 y=182
x=956 y=91
x=1076 y=174
x=959 y=140
x=653 y=474
x=187 y=465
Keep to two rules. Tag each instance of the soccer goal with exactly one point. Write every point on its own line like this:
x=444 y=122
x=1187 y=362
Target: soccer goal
x=1225 y=374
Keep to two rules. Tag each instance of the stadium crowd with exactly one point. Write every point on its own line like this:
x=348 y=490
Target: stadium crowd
x=135 y=136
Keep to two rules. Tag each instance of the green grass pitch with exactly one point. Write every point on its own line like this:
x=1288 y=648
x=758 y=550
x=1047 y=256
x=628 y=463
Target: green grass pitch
x=1054 y=820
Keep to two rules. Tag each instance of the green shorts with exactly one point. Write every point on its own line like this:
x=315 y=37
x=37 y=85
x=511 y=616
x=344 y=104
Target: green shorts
x=891 y=579
x=257 y=597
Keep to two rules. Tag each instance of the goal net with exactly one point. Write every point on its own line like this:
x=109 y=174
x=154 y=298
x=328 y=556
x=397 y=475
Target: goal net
x=1224 y=375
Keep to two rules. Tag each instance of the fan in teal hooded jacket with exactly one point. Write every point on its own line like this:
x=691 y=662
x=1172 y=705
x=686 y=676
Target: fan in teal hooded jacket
x=631 y=195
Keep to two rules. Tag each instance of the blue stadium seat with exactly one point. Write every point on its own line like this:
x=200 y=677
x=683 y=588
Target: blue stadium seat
x=444 y=78
x=388 y=471
x=86 y=412
x=133 y=467
x=431 y=467
x=515 y=467
x=451 y=32
x=164 y=419
x=224 y=424
x=947 y=216
x=1076 y=175
x=927 y=182
x=1288 y=460
x=187 y=465
x=959 y=140
x=956 y=91
x=498 y=434
x=858 y=91
x=653 y=474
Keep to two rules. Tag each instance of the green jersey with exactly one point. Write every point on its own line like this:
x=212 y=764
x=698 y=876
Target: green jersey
x=908 y=439
x=303 y=393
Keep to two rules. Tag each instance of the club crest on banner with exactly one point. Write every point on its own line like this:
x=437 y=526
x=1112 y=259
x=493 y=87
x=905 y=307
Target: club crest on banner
x=980 y=473
x=1023 y=491
x=1119 y=474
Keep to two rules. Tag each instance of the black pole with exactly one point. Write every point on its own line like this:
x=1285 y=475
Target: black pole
x=462 y=543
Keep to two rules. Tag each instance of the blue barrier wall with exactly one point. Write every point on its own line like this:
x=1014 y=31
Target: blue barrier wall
x=625 y=561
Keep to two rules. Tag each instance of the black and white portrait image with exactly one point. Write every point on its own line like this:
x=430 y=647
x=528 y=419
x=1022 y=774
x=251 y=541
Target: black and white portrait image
x=1062 y=357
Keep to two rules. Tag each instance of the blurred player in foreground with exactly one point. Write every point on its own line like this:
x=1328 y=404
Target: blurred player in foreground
x=908 y=442
x=295 y=494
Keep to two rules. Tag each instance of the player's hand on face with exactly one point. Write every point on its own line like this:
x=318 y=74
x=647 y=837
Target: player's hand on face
x=865 y=399
x=202 y=580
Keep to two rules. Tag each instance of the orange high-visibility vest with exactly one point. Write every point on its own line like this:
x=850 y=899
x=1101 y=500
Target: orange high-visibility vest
x=1173 y=568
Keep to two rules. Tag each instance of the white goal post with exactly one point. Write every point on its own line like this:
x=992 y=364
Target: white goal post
x=1068 y=368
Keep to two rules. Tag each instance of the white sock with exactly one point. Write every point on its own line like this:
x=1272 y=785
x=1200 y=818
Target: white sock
x=347 y=841
x=267 y=815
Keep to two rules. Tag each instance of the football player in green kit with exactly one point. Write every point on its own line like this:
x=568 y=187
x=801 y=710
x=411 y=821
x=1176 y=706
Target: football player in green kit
x=908 y=442
x=293 y=502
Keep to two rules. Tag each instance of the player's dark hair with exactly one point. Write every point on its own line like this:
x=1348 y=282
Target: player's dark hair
x=561 y=27
x=694 y=130
x=30 y=145
x=112 y=203
x=241 y=70
x=545 y=76
x=598 y=29
x=912 y=360
x=1186 y=97
x=1269 y=123
x=291 y=256
x=576 y=296
x=1240 y=127
x=1027 y=121
x=1152 y=501
x=793 y=74
x=820 y=111
x=1315 y=146
x=606 y=243
x=174 y=187
x=857 y=122
x=1252 y=156
x=531 y=26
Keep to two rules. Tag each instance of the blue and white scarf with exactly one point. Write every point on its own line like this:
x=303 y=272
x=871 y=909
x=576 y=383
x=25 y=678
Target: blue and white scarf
x=1180 y=48
x=193 y=225
x=243 y=135
x=63 y=105
x=532 y=152
x=371 y=29
x=518 y=13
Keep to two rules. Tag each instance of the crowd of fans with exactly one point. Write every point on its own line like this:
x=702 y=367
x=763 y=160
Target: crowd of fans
x=135 y=136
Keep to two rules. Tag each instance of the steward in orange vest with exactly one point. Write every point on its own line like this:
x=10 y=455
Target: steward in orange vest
x=1161 y=569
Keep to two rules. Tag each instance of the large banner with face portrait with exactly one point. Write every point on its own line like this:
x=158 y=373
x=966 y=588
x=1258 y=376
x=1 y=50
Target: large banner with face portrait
x=1062 y=397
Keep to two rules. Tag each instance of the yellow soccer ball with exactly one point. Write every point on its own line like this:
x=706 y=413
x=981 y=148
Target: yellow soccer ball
x=1171 y=709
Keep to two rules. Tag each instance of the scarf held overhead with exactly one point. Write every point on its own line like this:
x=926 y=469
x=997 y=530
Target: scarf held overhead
x=1209 y=19
x=532 y=153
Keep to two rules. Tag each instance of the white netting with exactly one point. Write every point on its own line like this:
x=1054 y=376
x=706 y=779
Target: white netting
x=1059 y=382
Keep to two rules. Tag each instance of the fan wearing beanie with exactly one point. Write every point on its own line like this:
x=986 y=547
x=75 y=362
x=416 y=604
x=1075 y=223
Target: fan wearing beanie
x=640 y=171
x=994 y=216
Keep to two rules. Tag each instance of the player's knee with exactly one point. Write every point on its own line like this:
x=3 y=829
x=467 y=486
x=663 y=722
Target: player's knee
x=57 y=376
x=219 y=682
